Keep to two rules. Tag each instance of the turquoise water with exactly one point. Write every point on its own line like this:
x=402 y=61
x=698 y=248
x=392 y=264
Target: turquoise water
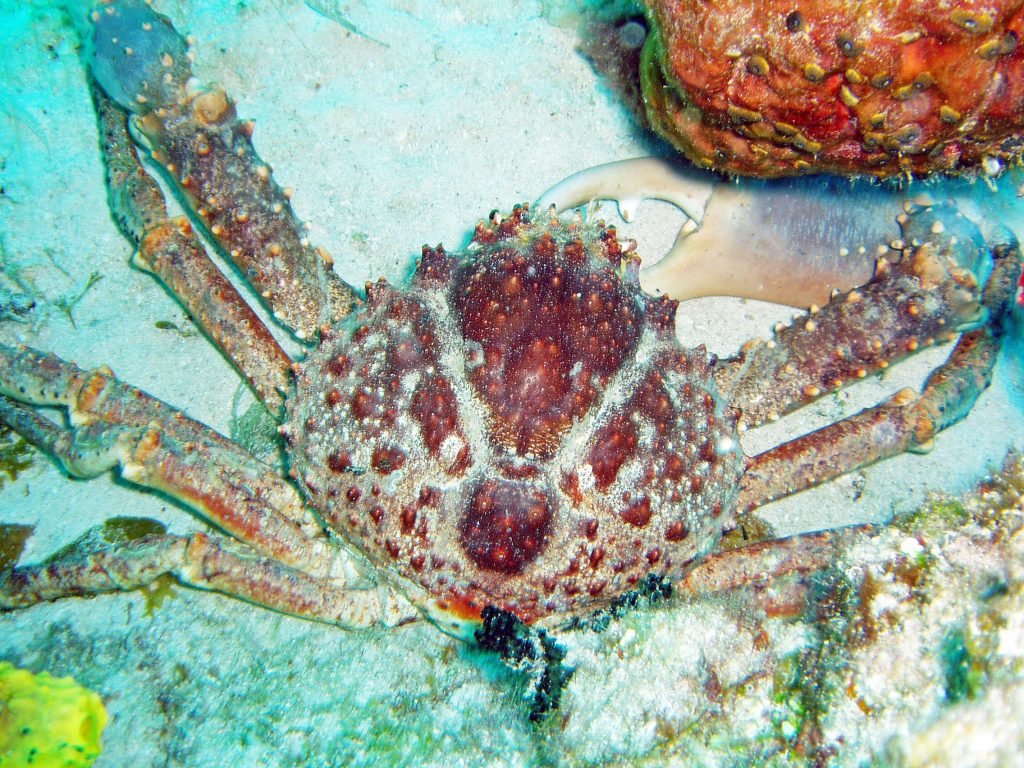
x=405 y=124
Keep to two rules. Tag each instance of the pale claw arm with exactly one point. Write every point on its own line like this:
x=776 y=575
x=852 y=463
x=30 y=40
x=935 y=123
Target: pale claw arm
x=789 y=242
x=784 y=242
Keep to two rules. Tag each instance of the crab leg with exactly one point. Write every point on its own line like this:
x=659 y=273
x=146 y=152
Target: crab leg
x=206 y=562
x=159 y=447
x=905 y=422
x=171 y=251
x=194 y=134
x=764 y=560
x=925 y=298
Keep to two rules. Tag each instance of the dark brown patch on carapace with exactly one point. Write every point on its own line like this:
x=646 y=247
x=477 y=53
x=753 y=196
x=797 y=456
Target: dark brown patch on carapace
x=505 y=526
x=552 y=329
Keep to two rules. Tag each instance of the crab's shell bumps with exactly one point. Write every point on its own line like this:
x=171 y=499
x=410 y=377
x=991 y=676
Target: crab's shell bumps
x=519 y=428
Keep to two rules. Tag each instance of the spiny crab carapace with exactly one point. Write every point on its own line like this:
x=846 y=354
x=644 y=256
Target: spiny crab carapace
x=519 y=428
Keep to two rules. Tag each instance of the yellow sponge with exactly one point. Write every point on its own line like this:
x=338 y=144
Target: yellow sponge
x=46 y=721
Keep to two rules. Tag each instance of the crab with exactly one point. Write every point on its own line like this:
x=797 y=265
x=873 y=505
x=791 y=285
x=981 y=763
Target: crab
x=519 y=429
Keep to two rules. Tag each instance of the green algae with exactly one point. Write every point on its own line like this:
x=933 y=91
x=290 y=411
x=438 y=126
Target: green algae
x=964 y=669
x=112 y=532
x=118 y=530
x=16 y=455
x=168 y=325
x=942 y=511
x=12 y=544
x=67 y=302
x=157 y=592
x=805 y=684
x=749 y=530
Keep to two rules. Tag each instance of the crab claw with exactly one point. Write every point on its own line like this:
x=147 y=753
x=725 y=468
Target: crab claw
x=788 y=242
x=629 y=183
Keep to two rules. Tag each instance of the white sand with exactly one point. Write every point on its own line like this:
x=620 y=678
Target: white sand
x=469 y=107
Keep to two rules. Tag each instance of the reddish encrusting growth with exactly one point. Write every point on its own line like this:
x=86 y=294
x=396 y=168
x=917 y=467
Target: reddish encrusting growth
x=519 y=428
x=769 y=88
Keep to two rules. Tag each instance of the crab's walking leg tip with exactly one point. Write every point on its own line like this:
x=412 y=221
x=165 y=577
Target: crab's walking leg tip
x=135 y=54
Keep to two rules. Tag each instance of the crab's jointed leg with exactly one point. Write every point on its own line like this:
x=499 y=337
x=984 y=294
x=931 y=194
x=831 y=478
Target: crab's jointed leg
x=194 y=134
x=281 y=560
x=172 y=251
x=205 y=562
x=930 y=295
x=160 y=447
x=115 y=425
x=762 y=561
x=800 y=372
